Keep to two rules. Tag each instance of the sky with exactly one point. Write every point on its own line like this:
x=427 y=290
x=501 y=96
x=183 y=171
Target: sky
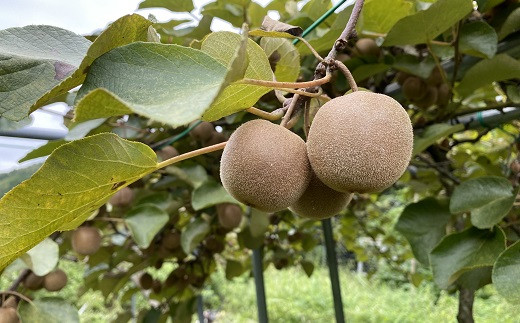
x=83 y=17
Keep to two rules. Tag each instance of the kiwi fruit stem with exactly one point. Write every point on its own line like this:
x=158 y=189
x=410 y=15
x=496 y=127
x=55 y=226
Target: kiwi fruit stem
x=191 y=154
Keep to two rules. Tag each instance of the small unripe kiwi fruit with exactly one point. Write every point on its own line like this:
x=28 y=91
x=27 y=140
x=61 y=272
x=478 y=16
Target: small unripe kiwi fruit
x=515 y=166
x=33 y=281
x=429 y=99
x=366 y=47
x=401 y=77
x=265 y=165
x=86 y=240
x=9 y=315
x=55 y=281
x=443 y=94
x=123 y=197
x=414 y=88
x=229 y=215
x=157 y=286
x=216 y=138
x=435 y=78
x=203 y=131
x=167 y=153
x=171 y=240
x=146 y=281
x=360 y=142
x=320 y=201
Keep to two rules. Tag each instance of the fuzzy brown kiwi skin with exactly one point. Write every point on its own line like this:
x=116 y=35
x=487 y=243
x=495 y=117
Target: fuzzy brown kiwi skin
x=123 y=197
x=229 y=215
x=320 y=201
x=366 y=47
x=86 y=240
x=203 y=131
x=9 y=315
x=265 y=166
x=360 y=142
x=146 y=281
x=429 y=99
x=55 y=281
x=443 y=94
x=167 y=153
x=414 y=88
x=33 y=281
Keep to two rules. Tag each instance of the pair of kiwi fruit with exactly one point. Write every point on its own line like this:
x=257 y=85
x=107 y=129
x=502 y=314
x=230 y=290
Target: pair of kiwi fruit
x=86 y=240
x=361 y=142
x=206 y=134
x=424 y=93
x=53 y=281
x=8 y=312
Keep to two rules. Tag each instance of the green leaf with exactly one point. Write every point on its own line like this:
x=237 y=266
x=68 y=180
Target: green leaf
x=124 y=30
x=432 y=134
x=476 y=278
x=10 y=180
x=424 y=224
x=233 y=269
x=43 y=257
x=288 y=65
x=50 y=309
x=172 y=5
x=506 y=273
x=511 y=25
x=236 y=97
x=193 y=234
x=33 y=60
x=209 y=194
x=425 y=25
x=76 y=179
x=379 y=16
x=88 y=108
x=413 y=65
x=367 y=70
x=271 y=33
x=499 y=68
x=479 y=39
x=144 y=222
x=259 y=223
x=161 y=82
x=489 y=199
x=308 y=267
x=316 y=8
x=460 y=252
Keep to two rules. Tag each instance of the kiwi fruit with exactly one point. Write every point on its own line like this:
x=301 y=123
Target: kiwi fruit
x=203 y=131
x=55 y=281
x=401 y=77
x=33 y=281
x=171 y=240
x=429 y=99
x=229 y=215
x=146 y=281
x=123 y=197
x=167 y=152
x=320 y=201
x=366 y=47
x=216 y=138
x=265 y=165
x=443 y=94
x=515 y=166
x=360 y=142
x=414 y=88
x=435 y=78
x=10 y=302
x=157 y=286
x=9 y=315
x=86 y=240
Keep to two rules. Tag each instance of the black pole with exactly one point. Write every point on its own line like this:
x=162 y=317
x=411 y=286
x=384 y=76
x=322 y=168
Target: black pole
x=258 y=272
x=200 y=309
x=332 y=262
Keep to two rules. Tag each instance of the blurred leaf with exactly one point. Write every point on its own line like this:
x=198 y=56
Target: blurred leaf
x=316 y=8
x=233 y=269
x=43 y=257
x=182 y=312
x=413 y=65
x=144 y=222
x=511 y=25
x=158 y=81
x=424 y=225
x=255 y=14
x=193 y=234
x=463 y=251
x=485 y=5
x=476 y=278
x=194 y=175
x=479 y=39
x=499 y=68
x=209 y=194
x=247 y=240
x=259 y=223
x=506 y=273
x=50 y=309
x=152 y=315
x=379 y=16
x=172 y=5
x=432 y=134
x=489 y=199
x=308 y=267
x=427 y=24
x=10 y=180
x=99 y=165
x=367 y=70
x=288 y=65
x=236 y=97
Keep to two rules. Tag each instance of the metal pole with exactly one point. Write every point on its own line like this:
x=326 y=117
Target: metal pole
x=258 y=272
x=332 y=262
x=200 y=308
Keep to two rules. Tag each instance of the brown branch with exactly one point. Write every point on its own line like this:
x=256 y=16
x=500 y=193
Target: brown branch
x=441 y=170
x=344 y=69
x=348 y=32
x=290 y=110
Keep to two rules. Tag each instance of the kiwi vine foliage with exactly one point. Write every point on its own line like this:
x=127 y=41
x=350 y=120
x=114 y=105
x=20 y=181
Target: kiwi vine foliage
x=450 y=220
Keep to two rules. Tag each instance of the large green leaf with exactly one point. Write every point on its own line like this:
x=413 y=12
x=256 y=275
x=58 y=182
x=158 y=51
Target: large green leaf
x=499 y=68
x=460 y=252
x=168 y=83
x=50 y=309
x=511 y=24
x=33 y=60
x=144 y=222
x=193 y=234
x=288 y=65
x=425 y=25
x=43 y=257
x=173 y=5
x=236 y=97
x=209 y=194
x=431 y=134
x=76 y=179
x=489 y=199
x=506 y=273
x=424 y=225
x=379 y=16
x=479 y=39
x=259 y=223
x=411 y=64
